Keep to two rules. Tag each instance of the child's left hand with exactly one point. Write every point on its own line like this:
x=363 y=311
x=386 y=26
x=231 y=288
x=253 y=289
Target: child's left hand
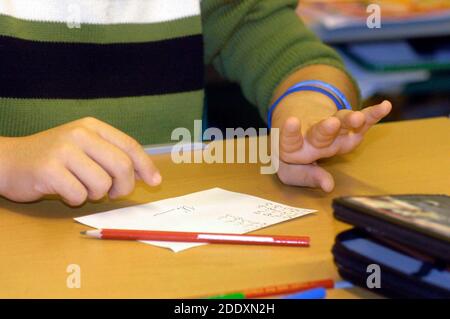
x=316 y=130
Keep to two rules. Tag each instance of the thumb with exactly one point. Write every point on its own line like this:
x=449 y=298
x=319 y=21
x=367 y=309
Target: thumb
x=310 y=175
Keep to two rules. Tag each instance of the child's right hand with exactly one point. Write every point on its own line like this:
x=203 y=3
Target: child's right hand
x=84 y=159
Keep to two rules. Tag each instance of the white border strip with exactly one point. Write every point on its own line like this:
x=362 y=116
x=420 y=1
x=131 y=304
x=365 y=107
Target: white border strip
x=100 y=11
x=236 y=237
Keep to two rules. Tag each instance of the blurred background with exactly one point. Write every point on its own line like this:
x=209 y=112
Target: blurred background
x=406 y=59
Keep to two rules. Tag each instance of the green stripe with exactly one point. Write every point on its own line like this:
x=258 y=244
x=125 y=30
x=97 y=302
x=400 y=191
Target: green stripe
x=95 y=33
x=149 y=119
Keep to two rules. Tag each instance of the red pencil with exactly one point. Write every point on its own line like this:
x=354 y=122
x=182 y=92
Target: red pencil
x=215 y=238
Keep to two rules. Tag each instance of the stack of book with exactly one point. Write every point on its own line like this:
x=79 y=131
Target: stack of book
x=367 y=33
x=337 y=21
x=399 y=246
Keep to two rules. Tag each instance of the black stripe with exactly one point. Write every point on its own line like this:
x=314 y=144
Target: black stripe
x=32 y=69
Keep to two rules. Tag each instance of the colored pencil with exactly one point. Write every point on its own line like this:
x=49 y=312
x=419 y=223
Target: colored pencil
x=213 y=238
x=316 y=293
x=276 y=290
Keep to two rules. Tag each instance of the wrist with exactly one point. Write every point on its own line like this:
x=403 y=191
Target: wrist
x=324 y=88
x=325 y=73
x=307 y=106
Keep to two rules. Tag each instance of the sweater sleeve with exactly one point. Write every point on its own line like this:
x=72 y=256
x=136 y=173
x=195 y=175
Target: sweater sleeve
x=259 y=43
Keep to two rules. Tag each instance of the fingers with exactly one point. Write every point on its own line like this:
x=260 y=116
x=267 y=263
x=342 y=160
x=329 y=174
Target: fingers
x=111 y=159
x=291 y=139
x=310 y=175
x=374 y=114
x=358 y=122
x=90 y=174
x=323 y=134
x=350 y=120
x=141 y=161
x=64 y=184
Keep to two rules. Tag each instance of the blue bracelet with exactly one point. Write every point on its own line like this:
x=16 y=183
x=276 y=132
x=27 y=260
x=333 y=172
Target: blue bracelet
x=317 y=86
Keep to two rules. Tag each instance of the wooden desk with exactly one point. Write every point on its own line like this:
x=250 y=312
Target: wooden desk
x=38 y=241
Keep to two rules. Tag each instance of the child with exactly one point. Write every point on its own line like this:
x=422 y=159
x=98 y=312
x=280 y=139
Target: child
x=83 y=84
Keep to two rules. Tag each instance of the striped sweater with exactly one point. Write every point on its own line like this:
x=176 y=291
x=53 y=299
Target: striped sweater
x=139 y=64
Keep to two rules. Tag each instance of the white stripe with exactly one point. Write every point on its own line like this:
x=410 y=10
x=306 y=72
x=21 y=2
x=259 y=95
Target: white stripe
x=168 y=148
x=236 y=237
x=100 y=11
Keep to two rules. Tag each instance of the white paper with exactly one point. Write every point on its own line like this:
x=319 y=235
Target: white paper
x=211 y=211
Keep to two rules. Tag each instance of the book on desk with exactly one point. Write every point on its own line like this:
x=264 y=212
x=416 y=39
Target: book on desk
x=403 y=239
x=347 y=21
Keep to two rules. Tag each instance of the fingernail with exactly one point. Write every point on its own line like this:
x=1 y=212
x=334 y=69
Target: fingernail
x=156 y=179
